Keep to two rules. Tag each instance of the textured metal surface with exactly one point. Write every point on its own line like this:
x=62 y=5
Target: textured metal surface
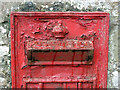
x=60 y=45
x=62 y=49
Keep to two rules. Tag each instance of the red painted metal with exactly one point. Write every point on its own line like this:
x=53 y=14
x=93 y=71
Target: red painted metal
x=59 y=45
x=59 y=49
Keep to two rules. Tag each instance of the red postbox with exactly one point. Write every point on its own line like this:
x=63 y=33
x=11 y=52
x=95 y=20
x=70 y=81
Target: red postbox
x=59 y=49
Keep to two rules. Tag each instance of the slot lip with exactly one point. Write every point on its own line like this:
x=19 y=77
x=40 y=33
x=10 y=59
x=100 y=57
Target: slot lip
x=59 y=45
x=48 y=63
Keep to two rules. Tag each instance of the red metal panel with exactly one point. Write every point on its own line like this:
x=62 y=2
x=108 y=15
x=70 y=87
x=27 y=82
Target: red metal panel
x=59 y=49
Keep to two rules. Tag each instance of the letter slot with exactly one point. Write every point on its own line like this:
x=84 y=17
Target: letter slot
x=59 y=52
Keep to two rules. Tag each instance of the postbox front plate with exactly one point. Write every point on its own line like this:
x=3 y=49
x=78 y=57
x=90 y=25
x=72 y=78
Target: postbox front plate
x=59 y=50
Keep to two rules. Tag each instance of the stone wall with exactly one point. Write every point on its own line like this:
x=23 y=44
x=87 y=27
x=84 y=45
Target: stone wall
x=110 y=6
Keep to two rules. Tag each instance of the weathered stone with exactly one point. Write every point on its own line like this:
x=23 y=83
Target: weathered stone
x=4 y=50
x=2 y=81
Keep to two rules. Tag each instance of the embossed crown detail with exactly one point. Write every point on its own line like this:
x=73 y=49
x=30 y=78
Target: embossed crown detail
x=59 y=31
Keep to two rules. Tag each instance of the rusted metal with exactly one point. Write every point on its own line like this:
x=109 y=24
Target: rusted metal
x=59 y=49
x=60 y=45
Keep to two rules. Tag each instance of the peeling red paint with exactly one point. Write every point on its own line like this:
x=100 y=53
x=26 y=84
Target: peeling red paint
x=62 y=49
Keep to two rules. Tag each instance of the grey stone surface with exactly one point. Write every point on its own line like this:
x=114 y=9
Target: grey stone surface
x=110 y=6
x=28 y=0
x=119 y=78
